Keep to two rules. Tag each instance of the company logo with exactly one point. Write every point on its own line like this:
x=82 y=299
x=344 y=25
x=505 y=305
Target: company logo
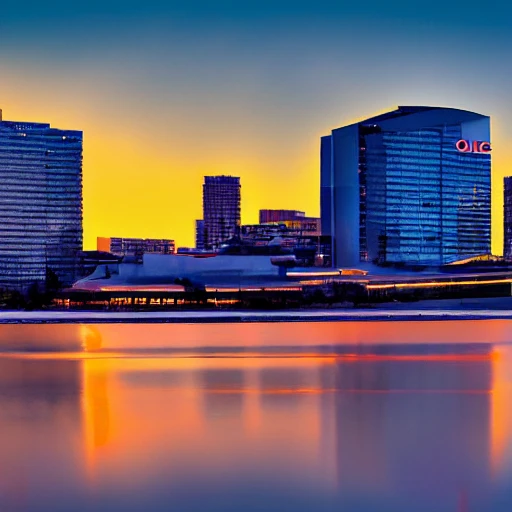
x=467 y=146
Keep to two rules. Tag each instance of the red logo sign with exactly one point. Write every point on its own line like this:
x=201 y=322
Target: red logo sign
x=467 y=146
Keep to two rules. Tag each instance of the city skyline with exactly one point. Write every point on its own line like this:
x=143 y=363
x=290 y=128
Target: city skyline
x=230 y=101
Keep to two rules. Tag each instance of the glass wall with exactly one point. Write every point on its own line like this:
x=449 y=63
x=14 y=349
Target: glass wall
x=426 y=202
x=40 y=203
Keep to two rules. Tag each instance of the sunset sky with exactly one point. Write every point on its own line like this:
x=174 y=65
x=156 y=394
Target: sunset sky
x=167 y=92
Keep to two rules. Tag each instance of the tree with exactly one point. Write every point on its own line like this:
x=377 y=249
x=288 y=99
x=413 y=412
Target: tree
x=52 y=283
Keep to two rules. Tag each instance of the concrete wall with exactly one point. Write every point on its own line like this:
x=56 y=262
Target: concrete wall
x=345 y=195
x=157 y=269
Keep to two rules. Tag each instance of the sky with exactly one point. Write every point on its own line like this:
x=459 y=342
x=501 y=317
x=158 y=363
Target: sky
x=167 y=92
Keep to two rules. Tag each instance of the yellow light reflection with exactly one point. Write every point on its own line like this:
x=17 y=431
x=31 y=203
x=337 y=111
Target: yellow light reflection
x=436 y=284
x=126 y=422
x=96 y=412
x=501 y=412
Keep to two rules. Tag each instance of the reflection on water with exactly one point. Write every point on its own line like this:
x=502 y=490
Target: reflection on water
x=238 y=417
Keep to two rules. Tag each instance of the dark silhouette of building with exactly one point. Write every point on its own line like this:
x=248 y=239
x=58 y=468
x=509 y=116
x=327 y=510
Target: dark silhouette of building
x=89 y=261
x=507 y=218
x=221 y=209
x=40 y=203
x=268 y=216
x=399 y=188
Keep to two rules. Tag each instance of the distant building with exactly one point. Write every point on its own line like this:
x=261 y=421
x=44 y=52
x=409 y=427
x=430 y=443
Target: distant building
x=268 y=216
x=200 y=235
x=507 y=219
x=89 y=261
x=40 y=203
x=292 y=219
x=412 y=186
x=221 y=209
x=304 y=241
x=135 y=246
x=290 y=232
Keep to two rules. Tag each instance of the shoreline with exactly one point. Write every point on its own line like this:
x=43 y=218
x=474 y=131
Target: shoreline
x=227 y=317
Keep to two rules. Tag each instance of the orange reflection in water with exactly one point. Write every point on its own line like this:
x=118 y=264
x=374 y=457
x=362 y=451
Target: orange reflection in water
x=117 y=415
x=190 y=415
x=96 y=411
x=327 y=420
x=501 y=407
x=119 y=336
x=115 y=337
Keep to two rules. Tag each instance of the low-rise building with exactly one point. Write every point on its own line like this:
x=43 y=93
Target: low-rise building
x=268 y=216
x=307 y=246
x=135 y=246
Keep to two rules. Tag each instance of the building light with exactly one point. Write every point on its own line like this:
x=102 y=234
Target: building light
x=466 y=146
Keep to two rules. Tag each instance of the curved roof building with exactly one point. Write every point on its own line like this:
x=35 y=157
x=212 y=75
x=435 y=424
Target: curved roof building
x=411 y=186
x=162 y=270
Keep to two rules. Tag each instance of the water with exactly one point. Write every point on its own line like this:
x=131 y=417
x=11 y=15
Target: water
x=355 y=416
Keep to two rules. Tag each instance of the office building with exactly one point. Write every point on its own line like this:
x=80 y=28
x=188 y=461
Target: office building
x=507 y=219
x=412 y=187
x=40 y=203
x=221 y=209
x=292 y=219
x=271 y=216
x=135 y=246
x=306 y=225
x=200 y=235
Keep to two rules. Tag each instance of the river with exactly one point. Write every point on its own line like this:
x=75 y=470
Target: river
x=321 y=416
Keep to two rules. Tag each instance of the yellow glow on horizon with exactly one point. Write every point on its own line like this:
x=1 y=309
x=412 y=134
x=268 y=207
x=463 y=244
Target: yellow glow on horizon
x=500 y=413
x=143 y=178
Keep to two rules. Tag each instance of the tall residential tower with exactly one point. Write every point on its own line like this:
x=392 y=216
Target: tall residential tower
x=40 y=203
x=412 y=186
x=221 y=209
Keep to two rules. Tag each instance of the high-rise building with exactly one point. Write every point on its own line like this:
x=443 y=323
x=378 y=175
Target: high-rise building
x=135 y=246
x=268 y=216
x=221 y=209
x=40 y=203
x=507 y=218
x=412 y=186
x=200 y=239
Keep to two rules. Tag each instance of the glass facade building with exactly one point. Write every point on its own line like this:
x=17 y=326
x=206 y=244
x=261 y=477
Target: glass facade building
x=412 y=186
x=40 y=203
x=221 y=209
x=507 y=218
